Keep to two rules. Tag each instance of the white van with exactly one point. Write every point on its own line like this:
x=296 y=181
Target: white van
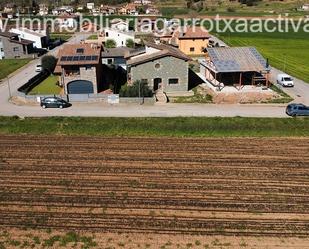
x=38 y=68
x=285 y=80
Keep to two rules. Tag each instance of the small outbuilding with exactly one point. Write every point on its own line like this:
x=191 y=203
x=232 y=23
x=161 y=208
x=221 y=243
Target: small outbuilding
x=235 y=66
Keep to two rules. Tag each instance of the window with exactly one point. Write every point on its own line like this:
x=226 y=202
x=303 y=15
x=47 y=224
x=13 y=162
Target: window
x=2 y=50
x=88 y=67
x=157 y=65
x=173 y=81
x=106 y=34
x=80 y=51
x=16 y=49
x=109 y=61
x=192 y=49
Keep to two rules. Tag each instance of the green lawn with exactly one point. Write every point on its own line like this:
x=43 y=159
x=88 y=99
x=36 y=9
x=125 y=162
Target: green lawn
x=92 y=37
x=8 y=66
x=62 y=36
x=48 y=86
x=177 y=127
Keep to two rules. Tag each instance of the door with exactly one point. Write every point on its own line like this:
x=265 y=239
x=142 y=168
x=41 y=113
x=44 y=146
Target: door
x=80 y=87
x=157 y=83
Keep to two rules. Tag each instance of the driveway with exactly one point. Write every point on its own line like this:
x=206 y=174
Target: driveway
x=300 y=91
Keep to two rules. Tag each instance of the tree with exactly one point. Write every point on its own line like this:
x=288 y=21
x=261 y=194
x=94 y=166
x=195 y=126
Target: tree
x=137 y=89
x=110 y=43
x=49 y=63
x=130 y=43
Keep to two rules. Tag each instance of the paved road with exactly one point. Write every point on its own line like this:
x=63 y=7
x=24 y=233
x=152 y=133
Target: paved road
x=157 y=110
x=160 y=110
x=300 y=92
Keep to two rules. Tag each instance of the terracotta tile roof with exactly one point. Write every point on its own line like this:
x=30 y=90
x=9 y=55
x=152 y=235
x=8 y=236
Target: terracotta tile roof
x=192 y=33
x=79 y=54
x=165 y=50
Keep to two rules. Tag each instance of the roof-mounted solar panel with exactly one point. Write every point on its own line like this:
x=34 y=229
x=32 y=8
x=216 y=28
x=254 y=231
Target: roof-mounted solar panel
x=80 y=50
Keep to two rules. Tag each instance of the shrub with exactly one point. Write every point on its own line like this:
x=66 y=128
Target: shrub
x=110 y=43
x=130 y=43
x=230 y=9
x=49 y=63
x=137 y=89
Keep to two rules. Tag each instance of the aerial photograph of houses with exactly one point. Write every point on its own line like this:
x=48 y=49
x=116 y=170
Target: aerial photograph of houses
x=154 y=124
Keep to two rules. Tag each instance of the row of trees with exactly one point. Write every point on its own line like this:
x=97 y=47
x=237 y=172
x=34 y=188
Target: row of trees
x=111 y=43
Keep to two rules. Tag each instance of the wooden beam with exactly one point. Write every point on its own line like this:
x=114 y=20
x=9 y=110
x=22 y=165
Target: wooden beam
x=240 y=80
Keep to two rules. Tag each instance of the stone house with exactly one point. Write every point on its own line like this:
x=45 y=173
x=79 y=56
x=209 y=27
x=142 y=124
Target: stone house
x=162 y=67
x=12 y=46
x=80 y=68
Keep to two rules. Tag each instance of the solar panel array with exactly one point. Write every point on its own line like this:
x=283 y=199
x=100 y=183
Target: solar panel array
x=80 y=58
x=237 y=59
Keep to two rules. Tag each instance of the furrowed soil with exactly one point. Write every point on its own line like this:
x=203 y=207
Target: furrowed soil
x=153 y=192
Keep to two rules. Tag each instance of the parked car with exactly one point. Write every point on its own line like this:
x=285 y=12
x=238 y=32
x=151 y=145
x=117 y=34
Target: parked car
x=285 y=80
x=38 y=68
x=297 y=110
x=54 y=102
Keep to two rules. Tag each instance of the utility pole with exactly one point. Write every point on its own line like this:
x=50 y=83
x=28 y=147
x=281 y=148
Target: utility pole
x=9 y=87
x=139 y=90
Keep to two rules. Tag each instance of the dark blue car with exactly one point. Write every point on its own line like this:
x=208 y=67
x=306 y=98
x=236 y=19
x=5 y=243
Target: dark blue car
x=297 y=110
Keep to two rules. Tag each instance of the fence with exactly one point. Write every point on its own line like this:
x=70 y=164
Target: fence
x=33 y=82
x=88 y=98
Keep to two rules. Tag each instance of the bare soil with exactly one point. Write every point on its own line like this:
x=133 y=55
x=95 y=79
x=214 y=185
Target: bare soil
x=156 y=192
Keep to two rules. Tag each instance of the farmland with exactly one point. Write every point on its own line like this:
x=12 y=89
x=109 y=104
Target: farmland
x=122 y=189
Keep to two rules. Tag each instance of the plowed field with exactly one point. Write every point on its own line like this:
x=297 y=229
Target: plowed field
x=221 y=186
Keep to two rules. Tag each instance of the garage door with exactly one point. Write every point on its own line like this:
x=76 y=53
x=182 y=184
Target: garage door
x=80 y=87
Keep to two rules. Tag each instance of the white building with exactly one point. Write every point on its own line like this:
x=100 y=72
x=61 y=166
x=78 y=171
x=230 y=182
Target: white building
x=39 y=37
x=118 y=24
x=90 y=6
x=120 y=37
x=305 y=7
x=66 y=21
x=143 y=2
x=62 y=10
x=43 y=11
x=1 y=24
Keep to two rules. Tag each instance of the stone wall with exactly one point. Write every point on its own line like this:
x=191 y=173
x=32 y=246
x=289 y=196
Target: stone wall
x=164 y=68
x=85 y=74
